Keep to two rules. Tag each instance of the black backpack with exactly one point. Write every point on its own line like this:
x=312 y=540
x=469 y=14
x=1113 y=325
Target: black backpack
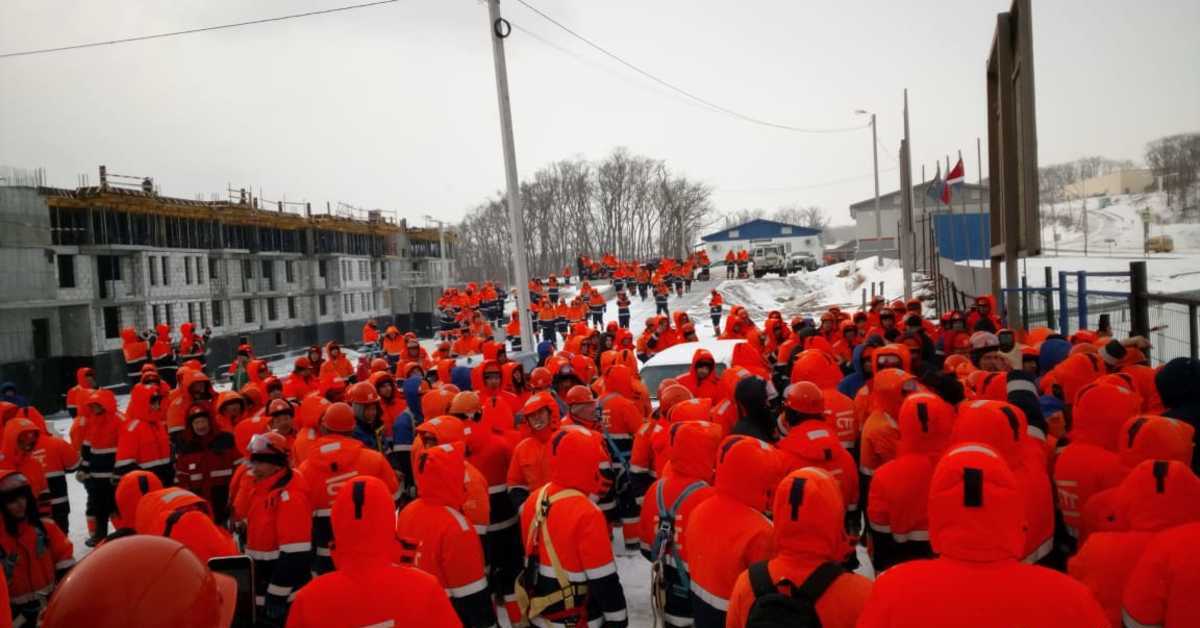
x=799 y=610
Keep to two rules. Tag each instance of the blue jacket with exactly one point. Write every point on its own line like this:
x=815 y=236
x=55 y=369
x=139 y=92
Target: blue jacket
x=851 y=383
x=8 y=392
x=1053 y=351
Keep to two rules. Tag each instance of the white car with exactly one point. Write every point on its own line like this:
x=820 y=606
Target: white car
x=677 y=361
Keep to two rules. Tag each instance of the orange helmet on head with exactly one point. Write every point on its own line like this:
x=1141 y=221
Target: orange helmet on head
x=691 y=410
x=670 y=396
x=466 y=403
x=804 y=398
x=363 y=393
x=379 y=364
x=663 y=385
x=338 y=417
x=540 y=378
x=579 y=395
x=161 y=583
x=436 y=402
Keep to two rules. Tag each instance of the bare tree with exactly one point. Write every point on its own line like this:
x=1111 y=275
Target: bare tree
x=809 y=216
x=1176 y=158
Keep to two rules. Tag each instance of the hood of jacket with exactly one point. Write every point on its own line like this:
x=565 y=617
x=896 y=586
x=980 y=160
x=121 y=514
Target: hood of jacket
x=808 y=516
x=193 y=377
x=185 y=329
x=888 y=390
x=335 y=453
x=104 y=398
x=703 y=355
x=577 y=457
x=997 y=424
x=1158 y=494
x=926 y=423
x=746 y=356
x=976 y=507
x=693 y=449
x=130 y=490
x=508 y=374
x=412 y=395
x=619 y=380
x=364 y=524
x=1099 y=412
x=129 y=336
x=812 y=441
x=1151 y=437
x=459 y=376
x=817 y=367
x=747 y=471
x=446 y=429
x=12 y=432
x=1176 y=382
x=254 y=371
x=440 y=473
x=229 y=396
x=898 y=351
x=139 y=403
x=81 y=376
x=1051 y=352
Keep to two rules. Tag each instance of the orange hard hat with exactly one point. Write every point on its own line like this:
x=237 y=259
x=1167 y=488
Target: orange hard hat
x=161 y=583
x=671 y=395
x=280 y=406
x=436 y=402
x=540 y=378
x=363 y=393
x=379 y=364
x=465 y=402
x=338 y=417
x=269 y=446
x=691 y=410
x=804 y=398
x=579 y=395
x=667 y=382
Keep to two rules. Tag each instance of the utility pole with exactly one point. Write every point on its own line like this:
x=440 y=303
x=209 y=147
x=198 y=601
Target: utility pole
x=875 y=159
x=499 y=29
x=984 y=241
x=908 y=259
x=1083 y=213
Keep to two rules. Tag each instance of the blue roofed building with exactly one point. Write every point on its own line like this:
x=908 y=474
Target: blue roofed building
x=746 y=236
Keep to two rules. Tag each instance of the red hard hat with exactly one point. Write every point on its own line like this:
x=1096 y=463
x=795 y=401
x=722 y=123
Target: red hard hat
x=379 y=364
x=160 y=583
x=670 y=396
x=363 y=393
x=579 y=395
x=540 y=378
x=338 y=417
x=268 y=443
x=280 y=406
x=805 y=398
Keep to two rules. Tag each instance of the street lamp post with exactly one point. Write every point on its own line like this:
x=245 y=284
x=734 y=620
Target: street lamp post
x=875 y=160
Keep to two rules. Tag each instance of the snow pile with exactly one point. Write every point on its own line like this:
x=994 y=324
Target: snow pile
x=1115 y=226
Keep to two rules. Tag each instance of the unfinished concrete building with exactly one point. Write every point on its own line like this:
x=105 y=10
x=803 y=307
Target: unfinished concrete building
x=81 y=264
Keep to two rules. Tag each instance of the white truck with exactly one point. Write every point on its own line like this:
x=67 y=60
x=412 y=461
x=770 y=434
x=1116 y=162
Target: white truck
x=769 y=258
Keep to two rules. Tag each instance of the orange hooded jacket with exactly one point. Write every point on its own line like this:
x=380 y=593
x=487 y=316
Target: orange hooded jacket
x=729 y=531
x=817 y=367
x=1155 y=496
x=975 y=526
x=529 y=468
x=364 y=516
x=36 y=555
x=898 y=507
x=446 y=429
x=808 y=527
x=14 y=458
x=446 y=544
x=1161 y=590
x=710 y=386
x=278 y=518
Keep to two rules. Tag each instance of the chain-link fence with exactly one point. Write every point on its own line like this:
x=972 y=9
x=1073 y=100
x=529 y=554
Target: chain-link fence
x=1173 y=327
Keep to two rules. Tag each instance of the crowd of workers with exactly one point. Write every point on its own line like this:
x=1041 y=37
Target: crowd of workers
x=993 y=477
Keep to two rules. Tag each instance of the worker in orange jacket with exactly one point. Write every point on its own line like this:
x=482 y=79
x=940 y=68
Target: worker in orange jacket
x=879 y=432
x=182 y=515
x=728 y=532
x=142 y=442
x=811 y=544
x=976 y=527
x=817 y=367
x=1089 y=463
x=807 y=441
x=644 y=459
x=57 y=458
x=194 y=387
x=370 y=335
x=136 y=352
x=1003 y=427
x=1143 y=437
x=1155 y=496
x=17 y=448
x=570 y=575
x=1161 y=590
x=85 y=383
x=336 y=365
x=898 y=514
x=445 y=543
x=529 y=467
x=664 y=518
x=444 y=430
x=363 y=516
x=702 y=379
x=274 y=505
x=36 y=553
x=132 y=487
x=98 y=455
x=336 y=458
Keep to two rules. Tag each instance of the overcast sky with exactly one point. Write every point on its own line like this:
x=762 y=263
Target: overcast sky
x=395 y=106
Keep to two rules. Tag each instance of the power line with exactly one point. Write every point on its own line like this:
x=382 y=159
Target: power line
x=806 y=187
x=191 y=31
x=679 y=90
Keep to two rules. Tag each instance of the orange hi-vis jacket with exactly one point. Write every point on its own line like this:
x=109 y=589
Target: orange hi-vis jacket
x=813 y=444
x=898 y=508
x=364 y=516
x=14 y=458
x=710 y=386
x=445 y=429
x=99 y=452
x=729 y=532
x=1002 y=426
x=36 y=555
x=446 y=544
x=57 y=458
x=975 y=527
x=881 y=433
x=815 y=366
x=334 y=460
x=278 y=532
x=1089 y=463
x=808 y=525
x=1161 y=590
x=579 y=534
x=142 y=442
x=77 y=395
x=489 y=452
x=394 y=343
x=529 y=468
x=1155 y=496
x=670 y=502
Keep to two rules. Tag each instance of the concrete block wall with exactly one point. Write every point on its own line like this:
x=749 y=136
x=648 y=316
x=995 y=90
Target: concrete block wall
x=85 y=275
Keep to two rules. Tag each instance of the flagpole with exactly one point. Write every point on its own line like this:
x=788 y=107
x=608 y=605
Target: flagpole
x=983 y=239
x=974 y=278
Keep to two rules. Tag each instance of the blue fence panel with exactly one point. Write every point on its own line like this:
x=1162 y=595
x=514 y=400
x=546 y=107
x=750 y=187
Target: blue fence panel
x=963 y=236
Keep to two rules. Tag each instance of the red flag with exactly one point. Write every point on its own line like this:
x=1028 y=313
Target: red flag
x=954 y=179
